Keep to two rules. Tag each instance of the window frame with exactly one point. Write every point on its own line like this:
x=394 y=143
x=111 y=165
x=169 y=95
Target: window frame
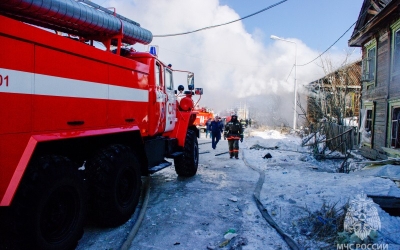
x=369 y=106
x=169 y=79
x=371 y=45
x=395 y=30
x=392 y=105
x=157 y=72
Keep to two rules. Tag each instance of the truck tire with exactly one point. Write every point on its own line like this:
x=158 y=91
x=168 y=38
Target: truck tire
x=186 y=164
x=114 y=183
x=49 y=209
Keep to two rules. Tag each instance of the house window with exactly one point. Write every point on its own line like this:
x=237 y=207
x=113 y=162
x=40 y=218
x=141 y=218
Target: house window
x=368 y=121
x=396 y=48
x=369 y=63
x=396 y=51
x=395 y=130
x=367 y=124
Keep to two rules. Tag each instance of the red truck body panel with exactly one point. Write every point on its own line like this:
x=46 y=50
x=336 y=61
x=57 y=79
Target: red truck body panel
x=52 y=88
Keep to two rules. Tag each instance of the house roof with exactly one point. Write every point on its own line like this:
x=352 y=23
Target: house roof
x=352 y=71
x=373 y=16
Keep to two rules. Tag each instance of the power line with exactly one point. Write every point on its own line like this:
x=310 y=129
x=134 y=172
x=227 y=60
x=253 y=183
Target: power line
x=218 y=25
x=255 y=13
x=328 y=47
x=336 y=40
x=293 y=65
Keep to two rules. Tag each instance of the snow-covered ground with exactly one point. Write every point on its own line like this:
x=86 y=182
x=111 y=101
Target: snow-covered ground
x=297 y=186
x=194 y=213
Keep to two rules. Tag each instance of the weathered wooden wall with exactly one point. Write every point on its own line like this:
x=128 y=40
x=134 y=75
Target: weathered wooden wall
x=374 y=25
x=379 y=94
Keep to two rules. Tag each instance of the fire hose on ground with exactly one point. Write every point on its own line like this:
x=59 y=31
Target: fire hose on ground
x=146 y=191
x=291 y=243
x=145 y=194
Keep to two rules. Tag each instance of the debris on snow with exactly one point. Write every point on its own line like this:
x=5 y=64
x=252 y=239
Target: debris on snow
x=267 y=156
x=238 y=242
x=230 y=236
x=224 y=243
x=258 y=147
x=211 y=247
x=235 y=199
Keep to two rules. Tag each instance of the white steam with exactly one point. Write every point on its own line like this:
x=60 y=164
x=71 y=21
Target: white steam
x=229 y=63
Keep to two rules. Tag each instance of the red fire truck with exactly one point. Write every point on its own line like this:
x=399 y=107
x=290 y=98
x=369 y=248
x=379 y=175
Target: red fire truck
x=202 y=117
x=80 y=125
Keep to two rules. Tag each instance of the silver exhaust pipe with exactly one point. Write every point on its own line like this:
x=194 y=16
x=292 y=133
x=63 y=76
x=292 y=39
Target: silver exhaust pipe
x=81 y=18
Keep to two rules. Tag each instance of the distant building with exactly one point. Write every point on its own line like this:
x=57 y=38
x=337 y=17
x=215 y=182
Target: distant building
x=336 y=96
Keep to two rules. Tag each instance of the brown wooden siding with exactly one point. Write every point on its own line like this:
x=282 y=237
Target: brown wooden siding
x=383 y=61
x=379 y=94
x=380 y=124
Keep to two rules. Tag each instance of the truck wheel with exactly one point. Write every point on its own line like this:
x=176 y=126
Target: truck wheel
x=114 y=183
x=186 y=165
x=49 y=208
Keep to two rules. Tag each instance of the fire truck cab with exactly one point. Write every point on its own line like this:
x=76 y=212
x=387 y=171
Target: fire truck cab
x=80 y=125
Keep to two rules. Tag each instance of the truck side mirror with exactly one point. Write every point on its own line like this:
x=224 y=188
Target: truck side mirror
x=198 y=91
x=190 y=81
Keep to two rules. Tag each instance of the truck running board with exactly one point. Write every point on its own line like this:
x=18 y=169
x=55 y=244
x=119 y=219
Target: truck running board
x=176 y=154
x=157 y=168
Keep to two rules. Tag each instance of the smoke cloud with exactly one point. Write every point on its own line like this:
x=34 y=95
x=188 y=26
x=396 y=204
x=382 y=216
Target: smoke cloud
x=233 y=66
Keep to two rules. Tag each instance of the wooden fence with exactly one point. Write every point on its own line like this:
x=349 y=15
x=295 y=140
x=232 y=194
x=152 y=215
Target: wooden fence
x=340 y=138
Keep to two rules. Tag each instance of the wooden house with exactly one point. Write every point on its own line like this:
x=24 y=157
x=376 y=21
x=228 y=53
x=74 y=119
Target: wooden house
x=377 y=33
x=336 y=96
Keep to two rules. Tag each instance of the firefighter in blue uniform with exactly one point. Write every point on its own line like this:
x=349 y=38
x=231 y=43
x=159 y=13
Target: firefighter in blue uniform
x=233 y=132
x=216 y=129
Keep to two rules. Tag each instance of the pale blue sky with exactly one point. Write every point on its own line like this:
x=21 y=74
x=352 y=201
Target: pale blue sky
x=318 y=23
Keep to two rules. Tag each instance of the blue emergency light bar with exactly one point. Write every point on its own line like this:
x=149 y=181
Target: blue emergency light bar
x=153 y=49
